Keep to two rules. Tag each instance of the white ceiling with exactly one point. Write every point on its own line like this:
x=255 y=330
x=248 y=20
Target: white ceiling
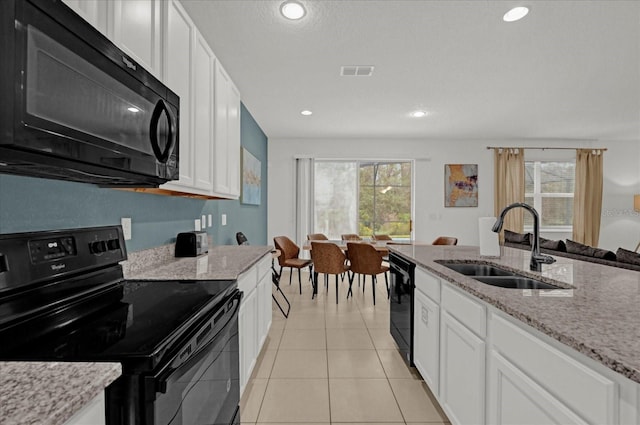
x=568 y=70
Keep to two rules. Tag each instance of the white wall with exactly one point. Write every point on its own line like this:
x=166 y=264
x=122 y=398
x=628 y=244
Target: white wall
x=431 y=218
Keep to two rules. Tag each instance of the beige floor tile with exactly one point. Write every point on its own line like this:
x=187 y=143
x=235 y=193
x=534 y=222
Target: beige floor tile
x=344 y=321
x=303 y=339
x=354 y=364
x=362 y=400
x=252 y=399
x=264 y=364
x=395 y=367
x=348 y=339
x=300 y=364
x=414 y=401
x=295 y=400
x=382 y=339
x=273 y=338
x=368 y=423
x=311 y=321
x=306 y=423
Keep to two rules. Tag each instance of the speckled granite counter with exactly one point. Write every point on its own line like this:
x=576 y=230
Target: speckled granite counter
x=49 y=393
x=599 y=317
x=222 y=262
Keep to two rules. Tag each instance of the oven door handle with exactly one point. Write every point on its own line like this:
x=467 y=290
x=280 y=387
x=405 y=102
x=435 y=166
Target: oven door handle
x=158 y=382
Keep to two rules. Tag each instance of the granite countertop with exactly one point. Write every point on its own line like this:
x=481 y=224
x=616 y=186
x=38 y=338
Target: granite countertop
x=223 y=262
x=50 y=393
x=598 y=314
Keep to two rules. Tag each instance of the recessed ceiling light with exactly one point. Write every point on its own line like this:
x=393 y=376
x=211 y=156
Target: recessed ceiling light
x=419 y=114
x=132 y=109
x=515 y=14
x=292 y=10
x=306 y=112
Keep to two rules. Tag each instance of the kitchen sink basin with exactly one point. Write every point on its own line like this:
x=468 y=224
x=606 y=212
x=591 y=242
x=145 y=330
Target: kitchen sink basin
x=515 y=282
x=496 y=276
x=477 y=269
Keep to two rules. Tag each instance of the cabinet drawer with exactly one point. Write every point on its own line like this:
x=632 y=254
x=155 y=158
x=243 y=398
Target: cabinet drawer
x=247 y=281
x=428 y=284
x=469 y=312
x=264 y=266
x=583 y=390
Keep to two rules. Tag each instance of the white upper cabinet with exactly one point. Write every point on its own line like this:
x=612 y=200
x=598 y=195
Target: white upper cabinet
x=227 y=136
x=179 y=34
x=204 y=62
x=136 y=30
x=96 y=12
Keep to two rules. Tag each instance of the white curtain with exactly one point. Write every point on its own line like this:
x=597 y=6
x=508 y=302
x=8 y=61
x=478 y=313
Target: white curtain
x=304 y=199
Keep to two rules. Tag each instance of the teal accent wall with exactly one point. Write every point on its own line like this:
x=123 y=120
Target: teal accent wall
x=31 y=204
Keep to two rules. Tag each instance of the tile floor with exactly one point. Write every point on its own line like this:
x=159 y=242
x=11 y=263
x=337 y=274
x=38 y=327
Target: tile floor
x=335 y=364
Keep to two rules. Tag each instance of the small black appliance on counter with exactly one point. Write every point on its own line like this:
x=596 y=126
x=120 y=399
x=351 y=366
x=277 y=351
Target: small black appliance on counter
x=192 y=244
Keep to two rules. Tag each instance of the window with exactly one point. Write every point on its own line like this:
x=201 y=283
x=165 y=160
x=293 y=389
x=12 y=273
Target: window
x=549 y=187
x=362 y=197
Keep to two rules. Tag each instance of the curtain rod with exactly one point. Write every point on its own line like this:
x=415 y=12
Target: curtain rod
x=524 y=147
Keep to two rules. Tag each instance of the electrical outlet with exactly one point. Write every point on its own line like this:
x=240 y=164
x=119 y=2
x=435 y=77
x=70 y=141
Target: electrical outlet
x=126 y=227
x=210 y=220
x=203 y=220
x=223 y=219
x=197 y=225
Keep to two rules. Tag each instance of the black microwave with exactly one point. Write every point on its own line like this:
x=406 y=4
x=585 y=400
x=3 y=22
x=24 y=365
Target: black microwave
x=75 y=107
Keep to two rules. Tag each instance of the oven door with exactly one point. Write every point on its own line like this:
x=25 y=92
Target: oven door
x=401 y=305
x=202 y=383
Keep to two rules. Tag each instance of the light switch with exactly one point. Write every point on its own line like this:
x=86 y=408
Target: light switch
x=126 y=227
x=203 y=220
x=223 y=219
x=197 y=224
x=209 y=220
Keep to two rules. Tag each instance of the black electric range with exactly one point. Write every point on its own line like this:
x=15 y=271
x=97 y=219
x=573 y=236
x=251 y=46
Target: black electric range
x=63 y=298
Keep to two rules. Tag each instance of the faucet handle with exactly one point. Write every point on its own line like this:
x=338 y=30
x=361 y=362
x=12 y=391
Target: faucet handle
x=544 y=259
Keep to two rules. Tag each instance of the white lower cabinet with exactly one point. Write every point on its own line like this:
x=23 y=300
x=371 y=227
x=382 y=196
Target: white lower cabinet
x=254 y=321
x=426 y=340
x=514 y=398
x=549 y=377
x=462 y=360
x=494 y=369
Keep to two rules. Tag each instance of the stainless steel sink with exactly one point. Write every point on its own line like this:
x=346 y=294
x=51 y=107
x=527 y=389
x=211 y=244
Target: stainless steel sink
x=477 y=269
x=496 y=276
x=515 y=282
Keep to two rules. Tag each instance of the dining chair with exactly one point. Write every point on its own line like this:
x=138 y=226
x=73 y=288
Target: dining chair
x=289 y=257
x=317 y=237
x=445 y=240
x=382 y=238
x=351 y=237
x=241 y=239
x=328 y=259
x=366 y=261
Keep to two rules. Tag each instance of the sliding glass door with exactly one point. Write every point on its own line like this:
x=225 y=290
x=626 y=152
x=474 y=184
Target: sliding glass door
x=362 y=197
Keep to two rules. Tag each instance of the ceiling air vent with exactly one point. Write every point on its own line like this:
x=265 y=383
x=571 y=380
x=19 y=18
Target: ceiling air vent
x=356 y=71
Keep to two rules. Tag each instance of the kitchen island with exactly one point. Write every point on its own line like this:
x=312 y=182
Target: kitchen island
x=570 y=355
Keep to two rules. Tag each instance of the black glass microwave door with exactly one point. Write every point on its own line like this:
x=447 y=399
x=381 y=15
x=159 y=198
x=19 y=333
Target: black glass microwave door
x=64 y=89
x=205 y=390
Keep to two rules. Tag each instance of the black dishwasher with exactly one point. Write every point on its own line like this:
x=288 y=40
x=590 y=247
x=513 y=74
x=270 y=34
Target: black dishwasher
x=401 y=304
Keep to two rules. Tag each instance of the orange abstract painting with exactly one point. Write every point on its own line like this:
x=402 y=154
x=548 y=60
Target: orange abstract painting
x=461 y=185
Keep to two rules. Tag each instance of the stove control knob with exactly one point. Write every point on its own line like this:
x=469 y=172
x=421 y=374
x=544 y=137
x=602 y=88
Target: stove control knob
x=113 y=244
x=97 y=247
